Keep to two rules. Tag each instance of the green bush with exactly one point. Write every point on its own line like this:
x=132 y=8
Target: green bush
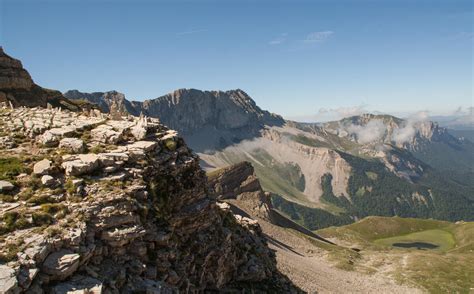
x=53 y=208
x=41 y=218
x=41 y=199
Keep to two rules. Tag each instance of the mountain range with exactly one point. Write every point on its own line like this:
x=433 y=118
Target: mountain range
x=116 y=202
x=321 y=174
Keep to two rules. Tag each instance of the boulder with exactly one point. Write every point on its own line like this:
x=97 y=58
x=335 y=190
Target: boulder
x=48 y=180
x=79 y=284
x=106 y=134
x=48 y=139
x=42 y=167
x=143 y=145
x=61 y=264
x=81 y=164
x=73 y=145
x=6 y=186
x=8 y=281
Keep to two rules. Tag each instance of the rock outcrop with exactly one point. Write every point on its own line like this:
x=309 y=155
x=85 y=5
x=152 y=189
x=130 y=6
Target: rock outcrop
x=108 y=102
x=124 y=215
x=239 y=182
x=18 y=88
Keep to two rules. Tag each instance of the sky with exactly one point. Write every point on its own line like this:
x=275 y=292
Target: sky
x=301 y=59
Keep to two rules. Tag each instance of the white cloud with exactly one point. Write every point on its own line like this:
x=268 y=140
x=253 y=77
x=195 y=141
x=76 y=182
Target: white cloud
x=372 y=131
x=279 y=40
x=190 y=32
x=318 y=37
x=339 y=113
x=464 y=35
x=406 y=132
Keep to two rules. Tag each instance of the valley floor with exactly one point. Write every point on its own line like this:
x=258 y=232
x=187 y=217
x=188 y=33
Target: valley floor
x=312 y=269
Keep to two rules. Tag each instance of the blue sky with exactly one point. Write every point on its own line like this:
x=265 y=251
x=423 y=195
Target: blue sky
x=295 y=58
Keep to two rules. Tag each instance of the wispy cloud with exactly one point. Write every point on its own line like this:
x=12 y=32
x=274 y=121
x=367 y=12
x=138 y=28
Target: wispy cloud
x=318 y=37
x=279 y=40
x=464 y=35
x=325 y=114
x=190 y=32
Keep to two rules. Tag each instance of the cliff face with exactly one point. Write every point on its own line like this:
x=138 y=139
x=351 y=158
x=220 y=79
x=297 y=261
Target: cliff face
x=239 y=182
x=208 y=119
x=99 y=205
x=17 y=87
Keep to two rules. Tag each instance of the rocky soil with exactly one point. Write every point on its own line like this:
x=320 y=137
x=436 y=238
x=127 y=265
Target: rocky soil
x=95 y=203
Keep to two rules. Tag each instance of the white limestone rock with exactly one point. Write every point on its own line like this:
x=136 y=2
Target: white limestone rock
x=48 y=139
x=48 y=181
x=79 y=285
x=8 y=281
x=72 y=145
x=80 y=164
x=42 y=167
x=6 y=186
x=106 y=134
x=61 y=264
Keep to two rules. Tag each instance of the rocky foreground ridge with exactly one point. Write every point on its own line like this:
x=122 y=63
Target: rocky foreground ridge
x=92 y=203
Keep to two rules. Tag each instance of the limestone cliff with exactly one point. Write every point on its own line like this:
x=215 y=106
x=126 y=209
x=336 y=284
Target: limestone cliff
x=208 y=119
x=90 y=203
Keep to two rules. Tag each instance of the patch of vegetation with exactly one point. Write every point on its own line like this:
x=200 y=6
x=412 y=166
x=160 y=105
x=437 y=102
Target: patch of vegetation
x=57 y=209
x=26 y=194
x=13 y=220
x=41 y=218
x=53 y=231
x=69 y=186
x=98 y=149
x=12 y=250
x=280 y=178
x=371 y=175
x=302 y=139
x=328 y=195
x=10 y=167
x=170 y=144
x=6 y=198
x=41 y=199
x=311 y=218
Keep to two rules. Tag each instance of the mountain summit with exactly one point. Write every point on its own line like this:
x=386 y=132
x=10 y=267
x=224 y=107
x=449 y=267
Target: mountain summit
x=17 y=87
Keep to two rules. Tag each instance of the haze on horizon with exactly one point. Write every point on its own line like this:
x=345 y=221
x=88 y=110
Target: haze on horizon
x=304 y=60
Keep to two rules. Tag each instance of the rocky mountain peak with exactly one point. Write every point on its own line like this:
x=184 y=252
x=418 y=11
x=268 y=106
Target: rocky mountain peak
x=12 y=74
x=18 y=88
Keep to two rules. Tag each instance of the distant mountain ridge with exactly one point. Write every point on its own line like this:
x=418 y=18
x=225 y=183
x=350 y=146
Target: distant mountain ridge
x=209 y=119
x=326 y=174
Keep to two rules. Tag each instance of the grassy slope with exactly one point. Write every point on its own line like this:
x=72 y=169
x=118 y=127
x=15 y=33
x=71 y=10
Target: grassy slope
x=448 y=269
